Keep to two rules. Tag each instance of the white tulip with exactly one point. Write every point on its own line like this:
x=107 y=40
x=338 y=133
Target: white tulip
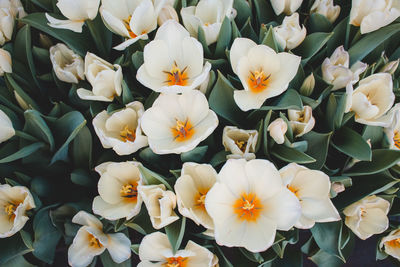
x=312 y=188
x=301 y=121
x=326 y=8
x=7 y=129
x=14 y=202
x=173 y=61
x=121 y=130
x=178 y=123
x=118 y=196
x=15 y=6
x=372 y=100
x=105 y=78
x=241 y=143
x=155 y=247
x=390 y=67
x=131 y=19
x=9 y=11
x=209 y=15
x=277 y=130
x=191 y=189
x=90 y=241
x=67 y=65
x=160 y=204
x=250 y=200
x=167 y=12
x=262 y=72
x=289 y=34
x=371 y=15
x=336 y=71
x=367 y=216
x=76 y=12
x=308 y=85
x=5 y=62
x=285 y=6
x=391 y=242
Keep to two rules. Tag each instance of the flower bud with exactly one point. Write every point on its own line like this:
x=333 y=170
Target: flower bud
x=390 y=67
x=167 y=12
x=285 y=6
x=308 y=85
x=277 y=130
x=289 y=35
x=45 y=41
x=67 y=65
x=5 y=62
x=20 y=101
x=326 y=8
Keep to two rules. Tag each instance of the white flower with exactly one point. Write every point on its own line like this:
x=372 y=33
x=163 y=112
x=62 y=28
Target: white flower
x=248 y=203
x=117 y=187
x=241 y=143
x=390 y=67
x=105 y=78
x=91 y=241
x=76 y=12
x=367 y=216
x=5 y=62
x=262 y=72
x=336 y=71
x=178 y=123
x=130 y=19
x=167 y=12
x=14 y=202
x=67 y=65
x=393 y=130
x=285 y=6
x=371 y=100
x=301 y=121
x=392 y=244
x=208 y=14
x=173 y=61
x=371 y=15
x=121 y=130
x=326 y=8
x=289 y=34
x=7 y=129
x=277 y=129
x=155 y=247
x=308 y=85
x=191 y=189
x=15 y=7
x=9 y=11
x=312 y=188
x=159 y=203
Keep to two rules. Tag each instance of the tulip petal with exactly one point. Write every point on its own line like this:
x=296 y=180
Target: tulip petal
x=119 y=247
x=75 y=26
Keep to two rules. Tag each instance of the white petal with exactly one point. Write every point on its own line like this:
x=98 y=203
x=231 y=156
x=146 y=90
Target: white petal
x=154 y=246
x=240 y=48
x=88 y=95
x=119 y=247
x=75 y=26
x=84 y=218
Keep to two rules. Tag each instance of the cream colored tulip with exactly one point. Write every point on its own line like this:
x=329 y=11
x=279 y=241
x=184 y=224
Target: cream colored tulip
x=5 y=62
x=241 y=143
x=289 y=34
x=285 y=6
x=178 y=123
x=209 y=15
x=367 y=216
x=68 y=66
x=173 y=61
x=118 y=195
x=336 y=71
x=301 y=121
x=160 y=204
x=15 y=6
x=167 y=12
x=90 y=241
x=326 y=8
x=76 y=12
x=391 y=243
x=250 y=200
x=9 y=11
x=262 y=72
x=372 y=100
x=277 y=130
x=191 y=189
x=15 y=201
x=105 y=78
x=7 y=129
x=121 y=130
x=308 y=85
x=312 y=188
x=155 y=247
x=370 y=15
x=393 y=130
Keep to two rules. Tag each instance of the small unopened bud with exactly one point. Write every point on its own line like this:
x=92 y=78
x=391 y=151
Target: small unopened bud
x=20 y=101
x=390 y=67
x=45 y=41
x=308 y=85
x=167 y=12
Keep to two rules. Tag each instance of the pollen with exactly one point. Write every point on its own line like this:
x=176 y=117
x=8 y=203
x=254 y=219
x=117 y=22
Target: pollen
x=394 y=243
x=182 y=130
x=293 y=190
x=396 y=139
x=241 y=145
x=176 y=76
x=258 y=81
x=200 y=199
x=176 y=262
x=248 y=207
x=10 y=209
x=129 y=192
x=128 y=27
x=94 y=242
x=127 y=134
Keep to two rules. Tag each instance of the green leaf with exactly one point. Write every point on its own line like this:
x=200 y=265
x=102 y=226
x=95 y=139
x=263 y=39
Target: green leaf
x=331 y=107
x=311 y=45
x=327 y=236
x=339 y=114
x=101 y=35
x=245 y=11
x=175 y=232
x=224 y=38
x=352 y=144
x=153 y=178
x=265 y=133
x=219 y=158
x=18 y=261
x=264 y=11
x=289 y=154
x=339 y=37
x=318 y=144
x=11 y=248
x=136 y=227
x=382 y=159
x=318 y=23
x=12 y=84
x=254 y=257
x=248 y=31
x=23 y=152
x=37 y=127
x=82 y=148
x=126 y=93
x=201 y=36
x=270 y=40
x=195 y=155
x=81 y=177
x=137 y=59
x=108 y=261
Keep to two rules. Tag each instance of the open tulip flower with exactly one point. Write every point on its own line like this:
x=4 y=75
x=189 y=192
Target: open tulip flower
x=391 y=244
x=285 y=6
x=7 y=129
x=68 y=66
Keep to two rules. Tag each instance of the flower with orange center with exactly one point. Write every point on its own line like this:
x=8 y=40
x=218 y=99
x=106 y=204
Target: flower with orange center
x=241 y=143
x=393 y=131
x=176 y=262
x=118 y=190
x=249 y=200
x=391 y=243
x=176 y=76
x=183 y=130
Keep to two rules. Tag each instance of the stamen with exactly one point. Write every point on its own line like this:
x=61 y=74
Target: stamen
x=258 y=81
x=183 y=130
x=127 y=134
x=176 y=76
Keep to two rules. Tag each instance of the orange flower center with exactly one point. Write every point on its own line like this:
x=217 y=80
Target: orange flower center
x=248 y=207
x=396 y=139
x=10 y=209
x=294 y=190
x=94 y=242
x=394 y=243
x=176 y=76
x=182 y=131
x=258 y=81
x=128 y=27
x=241 y=145
x=127 y=134
x=200 y=199
x=129 y=192
x=176 y=262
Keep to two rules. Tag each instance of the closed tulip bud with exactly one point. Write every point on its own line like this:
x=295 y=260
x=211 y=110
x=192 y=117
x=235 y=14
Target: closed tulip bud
x=390 y=67
x=285 y=6
x=67 y=65
x=326 y=8
x=277 y=130
x=290 y=35
x=5 y=62
x=308 y=85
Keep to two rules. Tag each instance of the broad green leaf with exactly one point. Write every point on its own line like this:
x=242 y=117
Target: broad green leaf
x=175 y=232
x=311 y=45
x=248 y=31
x=45 y=4
x=13 y=85
x=153 y=178
x=18 y=261
x=23 y=152
x=11 y=248
x=224 y=38
x=36 y=126
x=264 y=11
x=219 y=158
x=352 y=144
x=327 y=236
x=374 y=134
x=331 y=108
x=195 y=155
x=290 y=155
x=81 y=177
x=201 y=36
x=324 y=259
x=270 y=40
x=265 y=133
x=254 y=257
x=82 y=148
x=339 y=36
x=318 y=23
x=245 y=11
x=137 y=59
x=339 y=114
x=102 y=37
x=126 y=93
x=108 y=261
x=136 y=227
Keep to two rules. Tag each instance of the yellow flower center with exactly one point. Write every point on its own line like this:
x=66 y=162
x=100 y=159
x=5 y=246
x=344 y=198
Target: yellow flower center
x=129 y=192
x=258 y=81
x=176 y=262
x=248 y=207
x=241 y=145
x=394 y=243
x=176 y=76
x=182 y=131
x=94 y=242
x=128 y=27
x=396 y=139
x=10 y=209
x=293 y=190
x=127 y=134
x=200 y=199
